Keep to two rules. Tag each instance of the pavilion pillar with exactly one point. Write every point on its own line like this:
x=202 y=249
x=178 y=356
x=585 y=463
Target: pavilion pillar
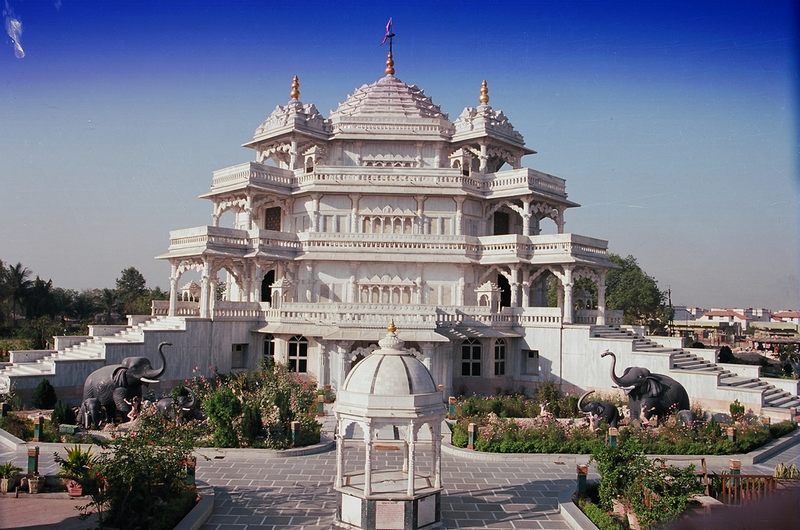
x=411 y=457
x=526 y=217
x=339 y=456
x=342 y=350
x=321 y=364
x=483 y=158
x=437 y=455
x=560 y=221
x=526 y=288
x=601 y=299
x=173 y=290
x=420 y=214
x=293 y=154
x=212 y=295
x=368 y=461
x=315 y=212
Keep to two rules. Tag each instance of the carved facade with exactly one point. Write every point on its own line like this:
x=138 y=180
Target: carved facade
x=388 y=210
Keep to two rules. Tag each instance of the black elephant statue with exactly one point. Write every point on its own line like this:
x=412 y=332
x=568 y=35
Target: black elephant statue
x=90 y=414
x=182 y=408
x=116 y=385
x=649 y=394
x=604 y=410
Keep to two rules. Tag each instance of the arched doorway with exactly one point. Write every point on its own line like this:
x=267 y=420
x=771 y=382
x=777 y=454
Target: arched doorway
x=505 y=291
x=266 y=286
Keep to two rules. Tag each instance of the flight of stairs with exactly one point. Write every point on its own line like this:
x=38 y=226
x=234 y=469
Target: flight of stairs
x=686 y=361
x=91 y=352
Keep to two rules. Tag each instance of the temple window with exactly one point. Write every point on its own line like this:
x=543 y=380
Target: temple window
x=500 y=357
x=238 y=356
x=269 y=350
x=471 y=358
x=298 y=354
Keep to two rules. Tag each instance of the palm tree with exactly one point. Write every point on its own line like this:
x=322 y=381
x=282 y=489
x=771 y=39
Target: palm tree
x=109 y=301
x=18 y=283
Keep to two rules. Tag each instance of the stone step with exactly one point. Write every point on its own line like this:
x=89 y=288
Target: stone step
x=754 y=384
x=736 y=381
x=787 y=400
x=772 y=392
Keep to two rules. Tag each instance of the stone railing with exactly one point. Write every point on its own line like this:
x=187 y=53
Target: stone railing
x=508 y=248
x=183 y=309
x=589 y=316
x=224 y=309
x=253 y=173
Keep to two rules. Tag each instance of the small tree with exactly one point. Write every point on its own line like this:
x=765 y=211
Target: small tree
x=726 y=355
x=44 y=395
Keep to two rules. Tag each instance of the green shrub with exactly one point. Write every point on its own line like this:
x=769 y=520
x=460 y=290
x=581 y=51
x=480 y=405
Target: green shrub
x=62 y=414
x=251 y=423
x=20 y=427
x=736 y=409
x=601 y=519
x=144 y=476
x=44 y=395
x=222 y=407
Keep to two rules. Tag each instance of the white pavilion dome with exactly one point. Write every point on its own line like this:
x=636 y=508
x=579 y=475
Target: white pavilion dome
x=390 y=372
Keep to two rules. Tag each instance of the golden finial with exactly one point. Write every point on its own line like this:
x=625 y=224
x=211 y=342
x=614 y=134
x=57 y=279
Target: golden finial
x=389 y=64
x=391 y=328
x=295 y=93
x=484 y=99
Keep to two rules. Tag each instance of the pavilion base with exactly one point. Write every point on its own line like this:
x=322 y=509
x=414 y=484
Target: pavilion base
x=355 y=512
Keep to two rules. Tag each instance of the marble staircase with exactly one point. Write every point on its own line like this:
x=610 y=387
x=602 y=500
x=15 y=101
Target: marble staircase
x=682 y=361
x=91 y=354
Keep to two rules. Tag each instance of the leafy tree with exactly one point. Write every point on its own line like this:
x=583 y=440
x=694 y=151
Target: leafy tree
x=131 y=286
x=632 y=290
x=16 y=279
x=44 y=395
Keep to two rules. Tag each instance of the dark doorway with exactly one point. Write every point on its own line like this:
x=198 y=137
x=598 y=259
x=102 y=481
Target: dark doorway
x=505 y=291
x=266 y=286
x=500 y=223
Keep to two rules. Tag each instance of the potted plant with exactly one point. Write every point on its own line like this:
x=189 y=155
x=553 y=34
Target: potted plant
x=75 y=468
x=8 y=473
x=35 y=483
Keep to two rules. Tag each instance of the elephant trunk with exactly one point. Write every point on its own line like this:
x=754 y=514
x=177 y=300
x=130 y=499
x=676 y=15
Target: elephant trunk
x=580 y=401
x=617 y=380
x=151 y=376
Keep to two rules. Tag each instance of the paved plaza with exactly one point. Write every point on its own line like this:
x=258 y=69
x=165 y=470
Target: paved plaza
x=254 y=491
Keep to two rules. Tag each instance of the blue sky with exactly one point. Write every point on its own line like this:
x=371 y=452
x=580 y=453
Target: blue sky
x=674 y=123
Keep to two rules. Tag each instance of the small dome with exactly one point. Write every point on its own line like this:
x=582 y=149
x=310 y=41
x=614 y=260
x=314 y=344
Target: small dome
x=390 y=371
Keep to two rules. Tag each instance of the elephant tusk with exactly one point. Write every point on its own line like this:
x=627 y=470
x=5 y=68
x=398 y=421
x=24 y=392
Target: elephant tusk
x=186 y=409
x=146 y=380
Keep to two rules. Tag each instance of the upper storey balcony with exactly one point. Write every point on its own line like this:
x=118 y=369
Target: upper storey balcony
x=357 y=179
x=487 y=250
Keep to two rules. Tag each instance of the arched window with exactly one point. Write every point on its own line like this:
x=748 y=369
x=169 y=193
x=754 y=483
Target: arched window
x=269 y=350
x=298 y=354
x=471 y=358
x=500 y=357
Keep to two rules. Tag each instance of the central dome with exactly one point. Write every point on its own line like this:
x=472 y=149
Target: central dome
x=391 y=108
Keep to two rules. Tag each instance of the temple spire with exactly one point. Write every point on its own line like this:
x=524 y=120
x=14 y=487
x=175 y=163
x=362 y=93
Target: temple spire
x=295 y=93
x=484 y=99
x=389 y=35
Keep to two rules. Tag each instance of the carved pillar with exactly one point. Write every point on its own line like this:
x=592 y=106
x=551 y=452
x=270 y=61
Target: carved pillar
x=315 y=212
x=293 y=154
x=214 y=219
x=173 y=290
x=212 y=295
x=514 y=286
x=567 y=295
x=460 y=289
x=355 y=222
x=322 y=361
x=204 y=290
x=601 y=298
x=560 y=220
x=342 y=351
x=459 y=228
x=526 y=288
x=484 y=158
x=526 y=217
x=427 y=358
x=420 y=213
